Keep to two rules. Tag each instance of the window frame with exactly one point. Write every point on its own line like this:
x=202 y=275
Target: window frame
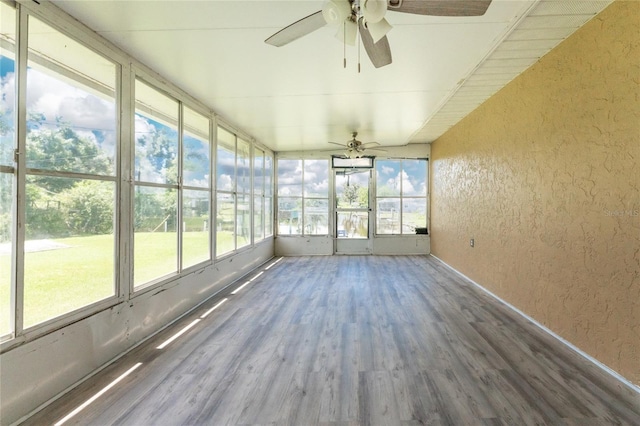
x=400 y=196
x=302 y=197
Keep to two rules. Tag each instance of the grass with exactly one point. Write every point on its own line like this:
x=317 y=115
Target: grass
x=63 y=280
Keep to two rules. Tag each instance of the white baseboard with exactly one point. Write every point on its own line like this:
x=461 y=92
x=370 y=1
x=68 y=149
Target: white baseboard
x=570 y=345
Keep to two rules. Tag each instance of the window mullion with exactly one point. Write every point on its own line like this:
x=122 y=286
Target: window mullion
x=179 y=198
x=17 y=273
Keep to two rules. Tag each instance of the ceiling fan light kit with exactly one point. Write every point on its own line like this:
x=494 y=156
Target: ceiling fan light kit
x=368 y=18
x=336 y=11
x=378 y=29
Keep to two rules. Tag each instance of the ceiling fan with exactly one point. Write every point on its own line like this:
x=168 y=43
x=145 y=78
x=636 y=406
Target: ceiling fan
x=355 y=148
x=367 y=17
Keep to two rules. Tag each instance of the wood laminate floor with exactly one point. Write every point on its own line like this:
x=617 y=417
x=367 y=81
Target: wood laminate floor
x=352 y=340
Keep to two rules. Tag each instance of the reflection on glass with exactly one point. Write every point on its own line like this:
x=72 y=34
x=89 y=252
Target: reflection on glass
x=225 y=222
x=243 y=221
x=156 y=158
x=71 y=125
x=258 y=217
x=353 y=224
x=195 y=227
x=352 y=190
x=258 y=172
x=155 y=236
x=289 y=216
x=414 y=178
x=69 y=228
x=268 y=216
x=289 y=178
x=6 y=250
x=316 y=216
x=7 y=84
x=196 y=168
x=226 y=161
x=268 y=191
x=414 y=214
x=389 y=177
x=244 y=167
x=7 y=145
x=388 y=211
x=268 y=176
x=316 y=178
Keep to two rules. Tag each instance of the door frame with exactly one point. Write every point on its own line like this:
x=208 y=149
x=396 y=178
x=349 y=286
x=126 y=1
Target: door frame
x=352 y=246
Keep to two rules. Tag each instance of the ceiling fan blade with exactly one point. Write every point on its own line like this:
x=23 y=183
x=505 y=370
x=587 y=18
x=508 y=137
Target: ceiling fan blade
x=298 y=29
x=336 y=143
x=370 y=143
x=440 y=7
x=376 y=150
x=380 y=52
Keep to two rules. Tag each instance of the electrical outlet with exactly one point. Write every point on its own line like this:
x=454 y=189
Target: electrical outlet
x=472 y=242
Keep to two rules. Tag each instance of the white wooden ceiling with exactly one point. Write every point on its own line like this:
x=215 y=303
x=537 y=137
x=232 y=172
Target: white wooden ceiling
x=299 y=97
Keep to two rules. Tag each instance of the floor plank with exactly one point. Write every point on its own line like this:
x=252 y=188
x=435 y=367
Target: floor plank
x=353 y=340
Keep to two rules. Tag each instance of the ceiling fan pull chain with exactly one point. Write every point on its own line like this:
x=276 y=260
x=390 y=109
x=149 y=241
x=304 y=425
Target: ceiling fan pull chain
x=344 y=44
x=359 y=42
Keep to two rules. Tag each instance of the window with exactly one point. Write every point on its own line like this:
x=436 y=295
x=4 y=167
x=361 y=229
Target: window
x=71 y=168
x=401 y=196
x=268 y=195
x=155 y=190
x=225 y=192
x=303 y=197
x=258 y=194
x=7 y=171
x=243 y=187
x=196 y=177
x=263 y=194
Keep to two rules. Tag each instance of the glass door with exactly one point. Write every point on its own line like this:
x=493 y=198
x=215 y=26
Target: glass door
x=352 y=211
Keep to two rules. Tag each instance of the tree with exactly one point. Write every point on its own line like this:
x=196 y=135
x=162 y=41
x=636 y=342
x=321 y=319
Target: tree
x=58 y=206
x=88 y=207
x=62 y=149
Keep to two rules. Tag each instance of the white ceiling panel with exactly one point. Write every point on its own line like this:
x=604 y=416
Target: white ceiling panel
x=299 y=96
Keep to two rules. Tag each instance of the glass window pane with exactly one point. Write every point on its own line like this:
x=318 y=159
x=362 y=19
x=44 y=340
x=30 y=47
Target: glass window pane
x=69 y=228
x=353 y=224
x=289 y=216
x=414 y=214
x=289 y=177
x=71 y=112
x=268 y=175
x=7 y=145
x=243 y=221
x=226 y=224
x=258 y=217
x=244 y=167
x=226 y=161
x=316 y=216
x=414 y=177
x=6 y=251
x=195 y=227
x=388 y=178
x=7 y=83
x=352 y=190
x=388 y=216
x=258 y=172
x=155 y=236
x=268 y=216
x=196 y=162
x=156 y=124
x=316 y=178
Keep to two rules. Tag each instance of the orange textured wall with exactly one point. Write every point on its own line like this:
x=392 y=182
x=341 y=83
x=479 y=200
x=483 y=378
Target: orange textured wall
x=545 y=176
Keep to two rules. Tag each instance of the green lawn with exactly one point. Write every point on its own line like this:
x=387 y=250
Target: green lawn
x=62 y=280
